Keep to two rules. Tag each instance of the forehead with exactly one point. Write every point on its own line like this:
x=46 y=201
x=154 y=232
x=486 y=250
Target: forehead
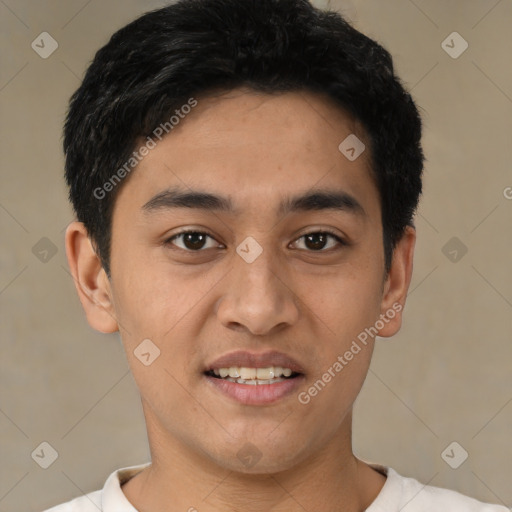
x=258 y=150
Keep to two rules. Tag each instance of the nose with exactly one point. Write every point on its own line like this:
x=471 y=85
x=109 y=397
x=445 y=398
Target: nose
x=257 y=297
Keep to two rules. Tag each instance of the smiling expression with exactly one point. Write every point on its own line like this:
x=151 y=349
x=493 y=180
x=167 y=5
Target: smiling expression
x=246 y=235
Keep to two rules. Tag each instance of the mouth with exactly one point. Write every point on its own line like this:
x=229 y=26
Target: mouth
x=253 y=376
x=255 y=379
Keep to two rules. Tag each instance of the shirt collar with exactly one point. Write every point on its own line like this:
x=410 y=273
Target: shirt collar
x=113 y=498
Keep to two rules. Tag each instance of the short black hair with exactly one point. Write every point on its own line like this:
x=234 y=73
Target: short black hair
x=157 y=63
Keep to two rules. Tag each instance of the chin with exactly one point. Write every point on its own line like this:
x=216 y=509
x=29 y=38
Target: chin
x=259 y=457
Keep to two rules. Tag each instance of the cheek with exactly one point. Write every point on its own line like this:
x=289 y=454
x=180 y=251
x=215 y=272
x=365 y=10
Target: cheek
x=169 y=309
x=151 y=298
x=346 y=307
x=347 y=300
x=341 y=368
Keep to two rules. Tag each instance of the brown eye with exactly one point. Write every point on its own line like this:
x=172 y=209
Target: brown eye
x=319 y=241
x=192 y=241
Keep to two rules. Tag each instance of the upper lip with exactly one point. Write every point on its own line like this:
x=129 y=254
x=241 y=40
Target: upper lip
x=256 y=360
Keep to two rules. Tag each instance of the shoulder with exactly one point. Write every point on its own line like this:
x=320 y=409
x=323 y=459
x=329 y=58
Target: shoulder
x=409 y=495
x=419 y=497
x=109 y=499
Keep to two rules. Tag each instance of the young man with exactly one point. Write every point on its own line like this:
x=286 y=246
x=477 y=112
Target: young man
x=245 y=174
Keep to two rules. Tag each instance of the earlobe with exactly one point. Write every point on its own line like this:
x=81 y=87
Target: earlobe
x=90 y=279
x=397 y=284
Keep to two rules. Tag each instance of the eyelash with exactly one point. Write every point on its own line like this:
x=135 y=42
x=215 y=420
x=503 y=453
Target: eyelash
x=169 y=241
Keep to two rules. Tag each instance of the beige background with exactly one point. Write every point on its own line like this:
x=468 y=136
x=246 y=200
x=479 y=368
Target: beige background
x=445 y=377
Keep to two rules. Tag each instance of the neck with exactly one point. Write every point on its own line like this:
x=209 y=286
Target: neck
x=180 y=479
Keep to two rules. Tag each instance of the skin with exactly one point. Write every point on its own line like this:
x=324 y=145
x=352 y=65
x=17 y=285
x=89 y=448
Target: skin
x=255 y=149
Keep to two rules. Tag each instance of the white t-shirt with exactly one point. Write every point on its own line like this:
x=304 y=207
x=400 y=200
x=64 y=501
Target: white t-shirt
x=399 y=494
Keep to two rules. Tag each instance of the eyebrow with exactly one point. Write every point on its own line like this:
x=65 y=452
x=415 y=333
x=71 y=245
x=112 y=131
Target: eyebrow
x=315 y=200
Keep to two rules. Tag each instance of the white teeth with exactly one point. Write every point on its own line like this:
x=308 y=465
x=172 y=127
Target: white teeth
x=246 y=375
x=265 y=373
x=254 y=382
x=244 y=381
x=233 y=372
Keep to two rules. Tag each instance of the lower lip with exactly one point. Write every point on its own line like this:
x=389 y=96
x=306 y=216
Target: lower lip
x=259 y=394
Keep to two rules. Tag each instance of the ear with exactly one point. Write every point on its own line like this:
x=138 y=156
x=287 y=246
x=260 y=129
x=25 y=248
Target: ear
x=91 y=281
x=397 y=284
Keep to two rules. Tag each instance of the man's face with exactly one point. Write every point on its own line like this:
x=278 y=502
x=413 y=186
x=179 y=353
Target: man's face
x=200 y=298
